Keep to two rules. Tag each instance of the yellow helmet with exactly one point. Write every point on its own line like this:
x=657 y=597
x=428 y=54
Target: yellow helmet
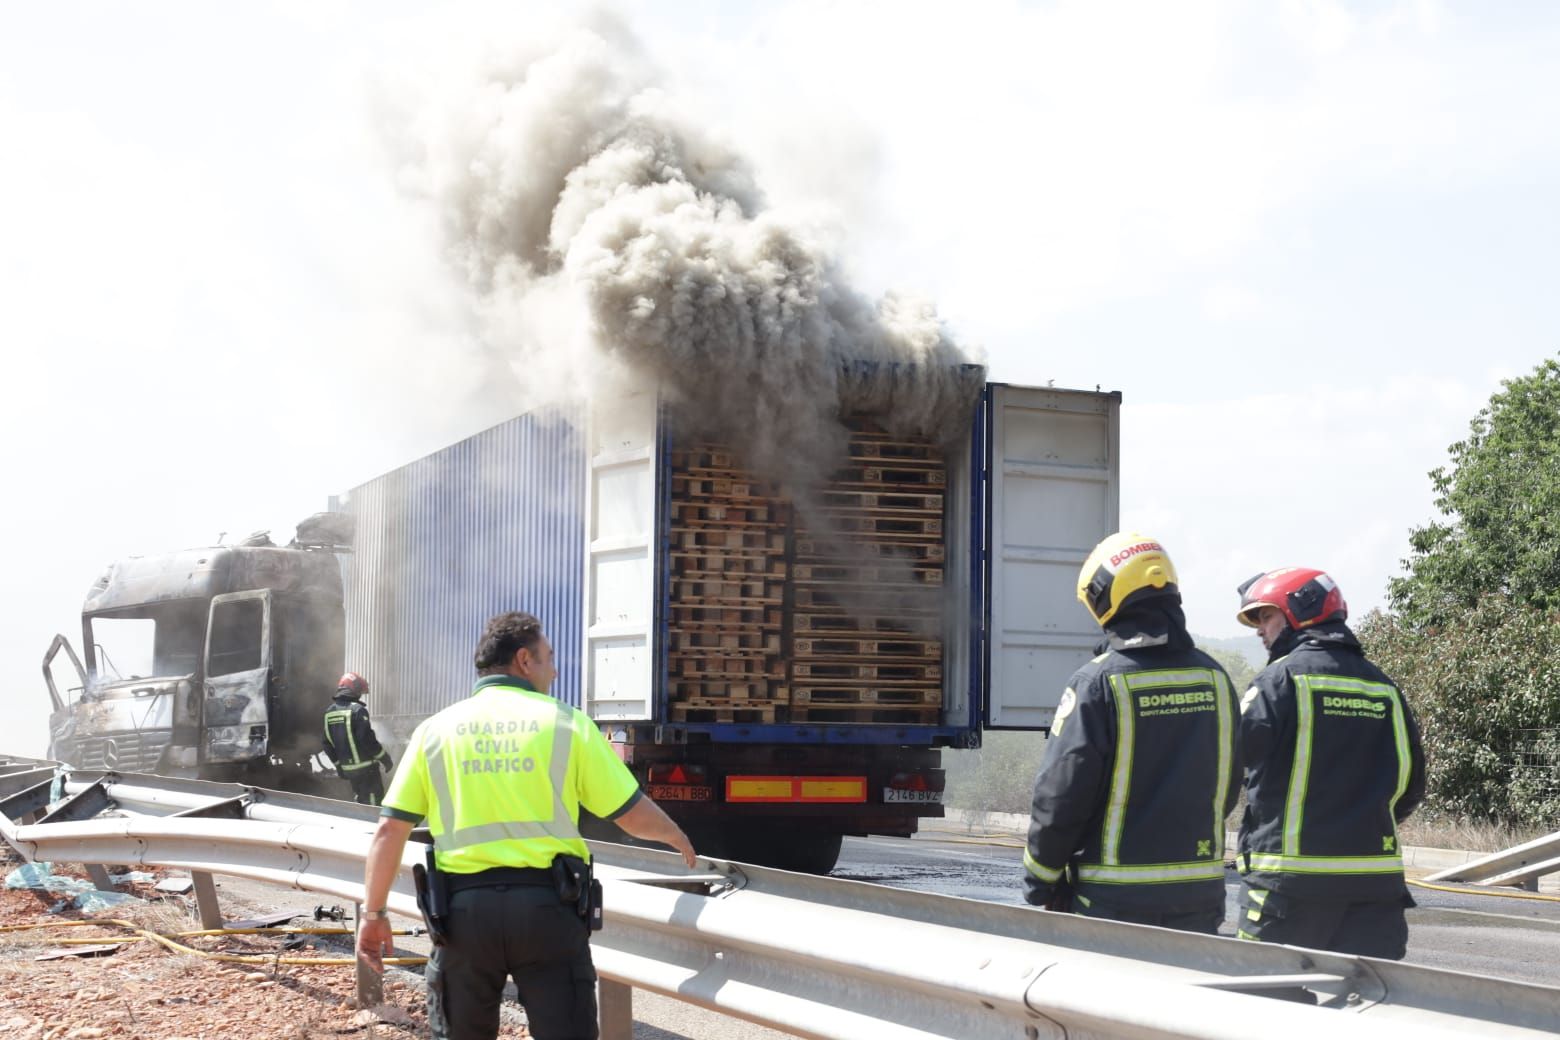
x=1124 y=566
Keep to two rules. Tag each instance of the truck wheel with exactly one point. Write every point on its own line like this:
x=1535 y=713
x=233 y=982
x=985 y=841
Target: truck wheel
x=808 y=853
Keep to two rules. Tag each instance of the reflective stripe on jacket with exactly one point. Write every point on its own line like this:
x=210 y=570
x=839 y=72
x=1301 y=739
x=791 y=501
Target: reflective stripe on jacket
x=350 y=740
x=1138 y=776
x=1334 y=763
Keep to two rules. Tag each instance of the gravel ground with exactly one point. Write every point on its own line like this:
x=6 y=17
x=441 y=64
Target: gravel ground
x=143 y=990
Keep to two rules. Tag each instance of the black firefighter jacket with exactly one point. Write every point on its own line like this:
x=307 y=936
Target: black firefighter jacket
x=1139 y=773
x=350 y=740
x=1333 y=764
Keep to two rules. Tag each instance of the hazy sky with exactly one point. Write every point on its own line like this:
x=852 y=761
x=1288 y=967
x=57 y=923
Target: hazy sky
x=1305 y=240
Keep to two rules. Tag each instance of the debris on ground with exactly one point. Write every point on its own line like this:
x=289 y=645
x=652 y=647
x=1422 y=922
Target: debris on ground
x=144 y=991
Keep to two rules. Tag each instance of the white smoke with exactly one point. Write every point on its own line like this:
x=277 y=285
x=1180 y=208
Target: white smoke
x=608 y=234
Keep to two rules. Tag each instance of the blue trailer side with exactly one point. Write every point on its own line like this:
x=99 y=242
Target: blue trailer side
x=492 y=523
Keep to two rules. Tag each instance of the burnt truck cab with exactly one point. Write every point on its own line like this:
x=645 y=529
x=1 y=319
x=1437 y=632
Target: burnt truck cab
x=215 y=663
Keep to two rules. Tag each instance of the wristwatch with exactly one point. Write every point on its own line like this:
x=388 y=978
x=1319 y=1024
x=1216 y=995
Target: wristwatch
x=383 y=915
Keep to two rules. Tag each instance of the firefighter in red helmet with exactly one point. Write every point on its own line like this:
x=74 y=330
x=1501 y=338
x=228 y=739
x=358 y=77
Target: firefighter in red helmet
x=1333 y=764
x=351 y=743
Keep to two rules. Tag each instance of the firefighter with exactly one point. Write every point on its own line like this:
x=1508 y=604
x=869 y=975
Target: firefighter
x=1333 y=765
x=1140 y=770
x=351 y=743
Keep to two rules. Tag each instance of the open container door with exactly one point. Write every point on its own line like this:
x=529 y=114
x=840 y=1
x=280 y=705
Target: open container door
x=1053 y=492
x=620 y=559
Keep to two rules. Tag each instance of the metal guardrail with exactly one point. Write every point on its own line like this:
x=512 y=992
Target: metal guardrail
x=817 y=957
x=1520 y=865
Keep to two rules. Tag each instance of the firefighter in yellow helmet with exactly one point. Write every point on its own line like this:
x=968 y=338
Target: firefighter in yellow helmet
x=1140 y=770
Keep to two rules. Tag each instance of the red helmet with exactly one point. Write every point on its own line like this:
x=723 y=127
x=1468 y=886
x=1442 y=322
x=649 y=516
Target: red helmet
x=353 y=683
x=1304 y=595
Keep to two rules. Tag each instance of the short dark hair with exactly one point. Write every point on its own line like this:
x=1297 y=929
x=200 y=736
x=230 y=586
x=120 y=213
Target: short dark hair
x=505 y=636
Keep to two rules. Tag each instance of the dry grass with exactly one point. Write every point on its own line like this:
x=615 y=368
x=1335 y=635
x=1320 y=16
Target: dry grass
x=1465 y=835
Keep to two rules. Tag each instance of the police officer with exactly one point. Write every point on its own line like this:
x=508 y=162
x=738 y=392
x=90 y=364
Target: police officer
x=351 y=743
x=1140 y=769
x=1333 y=764
x=501 y=778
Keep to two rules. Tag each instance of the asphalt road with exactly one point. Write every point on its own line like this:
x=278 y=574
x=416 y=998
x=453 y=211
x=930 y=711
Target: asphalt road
x=1485 y=934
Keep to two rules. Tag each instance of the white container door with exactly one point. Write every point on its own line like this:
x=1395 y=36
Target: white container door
x=619 y=560
x=1053 y=494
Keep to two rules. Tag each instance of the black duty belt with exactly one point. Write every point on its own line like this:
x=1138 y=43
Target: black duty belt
x=495 y=876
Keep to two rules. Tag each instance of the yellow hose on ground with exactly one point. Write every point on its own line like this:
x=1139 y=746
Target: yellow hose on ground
x=1499 y=892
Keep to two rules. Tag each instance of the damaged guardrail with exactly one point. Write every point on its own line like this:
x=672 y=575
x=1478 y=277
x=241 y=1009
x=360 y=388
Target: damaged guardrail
x=817 y=957
x=1520 y=865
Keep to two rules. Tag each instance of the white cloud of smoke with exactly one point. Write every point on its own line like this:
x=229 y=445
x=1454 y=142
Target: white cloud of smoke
x=608 y=235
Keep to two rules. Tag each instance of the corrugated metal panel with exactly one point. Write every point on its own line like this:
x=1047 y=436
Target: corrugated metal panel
x=493 y=523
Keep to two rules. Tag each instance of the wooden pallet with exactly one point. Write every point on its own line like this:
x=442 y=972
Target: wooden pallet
x=867 y=671
x=882 y=501
x=853 y=548
x=882 y=696
x=693 y=563
x=738 y=692
x=850 y=625
x=688 y=591
x=755 y=512
x=706 y=456
x=869 y=574
x=686 y=640
x=891 y=525
x=871 y=715
x=897 y=453
x=753 y=616
x=752 y=714
x=752 y=538
x=727 y=666
x=847 y=646
x=720 y=486
x=890 y=475
x=875 y=602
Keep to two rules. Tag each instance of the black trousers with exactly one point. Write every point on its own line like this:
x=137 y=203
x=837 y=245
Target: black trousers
x=1367 y=929
x=368 y=785
x=1205 y=921
x=522 y=932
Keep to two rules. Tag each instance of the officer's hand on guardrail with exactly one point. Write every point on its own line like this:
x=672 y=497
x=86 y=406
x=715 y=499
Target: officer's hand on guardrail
x=684 y=846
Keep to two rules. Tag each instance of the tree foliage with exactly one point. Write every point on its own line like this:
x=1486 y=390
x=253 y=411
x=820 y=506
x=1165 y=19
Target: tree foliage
x=1485 y=686
x=1499 y=497
x=998 y=776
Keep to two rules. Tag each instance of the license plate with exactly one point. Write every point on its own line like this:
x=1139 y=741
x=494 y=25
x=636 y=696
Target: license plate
x=680 y=793
x=893 y=794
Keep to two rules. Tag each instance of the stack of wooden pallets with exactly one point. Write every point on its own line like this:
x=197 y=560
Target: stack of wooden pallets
x=727 y=595
x=863 y=640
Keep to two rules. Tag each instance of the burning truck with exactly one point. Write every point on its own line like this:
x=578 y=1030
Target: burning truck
x=778 y=669
x=211 y=663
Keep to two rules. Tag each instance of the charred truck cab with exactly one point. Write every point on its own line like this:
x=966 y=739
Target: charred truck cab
x=213 y=663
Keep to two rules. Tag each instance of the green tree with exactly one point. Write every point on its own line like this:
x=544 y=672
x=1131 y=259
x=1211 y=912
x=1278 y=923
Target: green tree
x=1500 y=500
x=998 y=776
x=1483 y=685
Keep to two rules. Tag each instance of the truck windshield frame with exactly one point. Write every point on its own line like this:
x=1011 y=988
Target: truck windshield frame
x=160 y=641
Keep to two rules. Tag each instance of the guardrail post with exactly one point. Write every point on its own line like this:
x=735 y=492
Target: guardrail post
x=370 y=984
x=206 y=899
x=616 y=1003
